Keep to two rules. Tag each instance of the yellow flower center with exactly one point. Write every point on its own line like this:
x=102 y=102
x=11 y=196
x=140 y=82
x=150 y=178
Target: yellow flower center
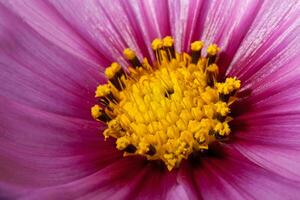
x=170 y=109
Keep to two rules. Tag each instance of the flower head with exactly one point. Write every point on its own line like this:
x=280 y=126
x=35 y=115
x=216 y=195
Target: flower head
x=201 y=95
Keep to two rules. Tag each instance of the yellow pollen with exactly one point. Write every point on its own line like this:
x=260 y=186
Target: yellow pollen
x=213 y=68
x=156 y=44
x=129 y=54
x=222 y=108
x=112 y=70
x=197 y=45
x=222 y=128
x=169 y=110
x=213 y=49
x=96 y=111
x=102 y=90
x=168 y=41
x=230 y=85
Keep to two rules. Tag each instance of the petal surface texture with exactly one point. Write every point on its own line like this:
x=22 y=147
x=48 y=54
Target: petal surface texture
x=53 y=55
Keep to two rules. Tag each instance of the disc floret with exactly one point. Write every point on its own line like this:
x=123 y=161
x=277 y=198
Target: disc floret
x=168 y=110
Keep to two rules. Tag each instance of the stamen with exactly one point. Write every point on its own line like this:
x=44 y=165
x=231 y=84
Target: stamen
x=131 y=56
x=212 y=73
x=105 y=95
x=99 y=114
x=212 y=51
x=169 y=110
x=157 y=46
x=168 y=44
x=115 y=74
x=196 y=51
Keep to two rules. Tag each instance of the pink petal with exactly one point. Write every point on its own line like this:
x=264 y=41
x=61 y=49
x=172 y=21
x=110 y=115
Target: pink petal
x=48 y=156
x=10 y=191
x=177 y=193
x=235 y=177
x=47 y=22
x=151 y=18
x=186 y=178
x=121 y=180
x=159 y=184
x=208 y=20
x=38 y=73
x=279 y=160
x=42 y=149
x=270 y=44
x=113 y=27
x=268 y=132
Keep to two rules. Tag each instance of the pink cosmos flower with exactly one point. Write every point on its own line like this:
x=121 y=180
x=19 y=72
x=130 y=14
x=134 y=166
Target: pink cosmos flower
x=53 y=55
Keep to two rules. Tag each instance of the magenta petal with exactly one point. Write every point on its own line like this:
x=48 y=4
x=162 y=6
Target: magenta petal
x=186 y=178
x=151 y=18
x=112 y=27
x=177 y=193
x=129 y=178
x=159 y=184
x=270 y=129
x=42 y=149
x=270 y=133
x=209 y=20
x=40 y=74
x=235 y=177
x=47 y=22
x=116 y=181
x=271 y=42
x=184 y=17
x=280 y=160
x=11 y=191
x=47 y=156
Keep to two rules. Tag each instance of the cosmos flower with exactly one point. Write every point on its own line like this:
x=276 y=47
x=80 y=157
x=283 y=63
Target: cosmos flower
x=54 y=54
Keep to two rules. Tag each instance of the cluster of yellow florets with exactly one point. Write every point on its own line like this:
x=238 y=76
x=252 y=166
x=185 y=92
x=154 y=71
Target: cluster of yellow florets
x=169 y=110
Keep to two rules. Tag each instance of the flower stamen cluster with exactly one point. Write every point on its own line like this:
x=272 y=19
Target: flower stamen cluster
x=167 y=110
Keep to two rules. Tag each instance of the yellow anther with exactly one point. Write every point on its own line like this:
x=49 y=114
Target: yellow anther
x=156 y=44
x=96 y=111
x=222 y=128
x=129 y=54
x=206 y=124
x=169 y=110
x=113 y=124
x=209 y=111
x=187 y=137
x=143 y=148
x=210 y=95
x=213 y=49
x=197 y=46
x=124 y=119
x=168 y=41
x=102 y=91
x=172 y=132
x=200 y=136
x=230 y=85
x=107 y=133
x=222 y=108
x=122 y=143
x=197 y=113
x=186 y=115
x=194 y=126
x=112 y=70
x=213 y=68
x=181 y=124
